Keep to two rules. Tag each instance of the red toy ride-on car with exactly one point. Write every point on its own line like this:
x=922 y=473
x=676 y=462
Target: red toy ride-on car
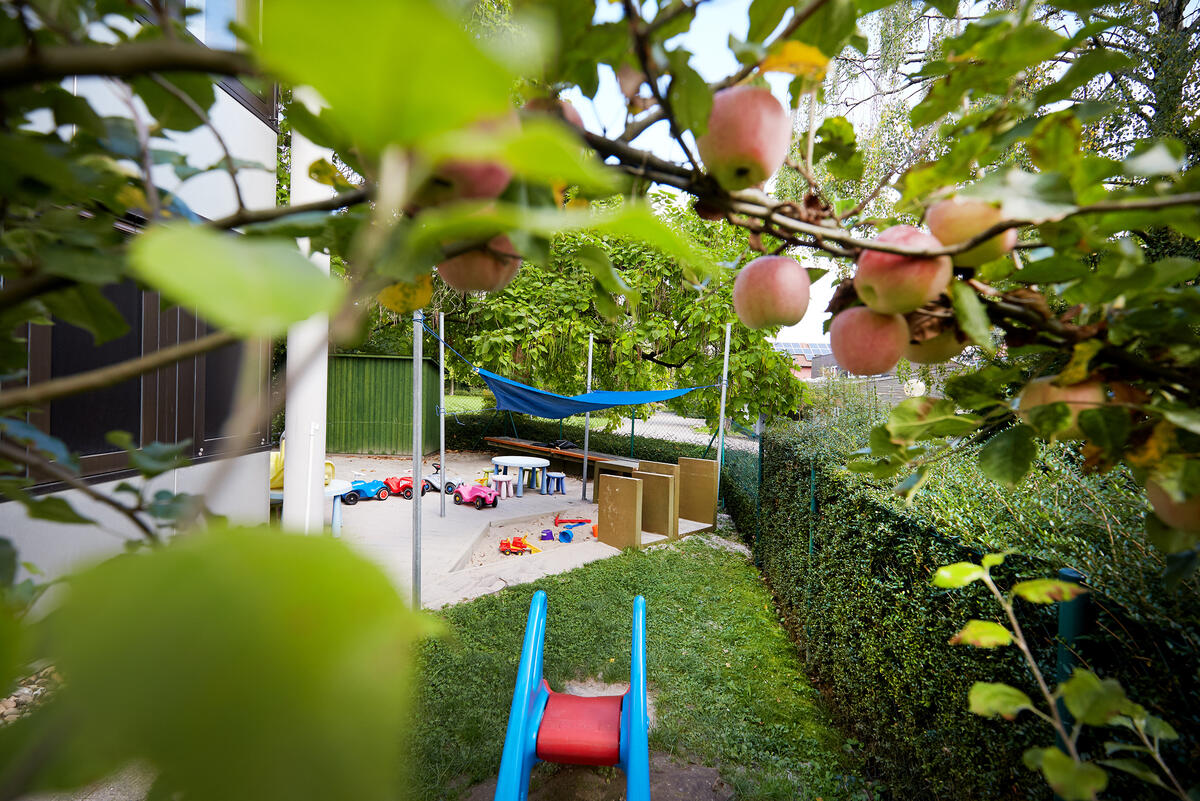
x=403 y=486
x=480 y=496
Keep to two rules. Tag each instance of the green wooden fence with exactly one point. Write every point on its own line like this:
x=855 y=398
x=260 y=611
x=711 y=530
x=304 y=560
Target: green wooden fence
x=370 y=404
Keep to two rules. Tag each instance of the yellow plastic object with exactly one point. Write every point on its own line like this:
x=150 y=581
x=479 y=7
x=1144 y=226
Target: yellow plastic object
x=277 y=469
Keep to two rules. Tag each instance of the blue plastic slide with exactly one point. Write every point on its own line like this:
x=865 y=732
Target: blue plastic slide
x=556 y=727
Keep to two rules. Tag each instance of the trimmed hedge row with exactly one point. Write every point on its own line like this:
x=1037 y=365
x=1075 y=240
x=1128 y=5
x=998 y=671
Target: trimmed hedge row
x=874 y=630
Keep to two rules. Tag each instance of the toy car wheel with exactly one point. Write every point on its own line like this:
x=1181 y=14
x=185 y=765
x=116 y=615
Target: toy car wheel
x=457 y=499
x=424 y=489
x=495 y=501
x=350 y=498
x=480 y=503
x=406 y=493
x=382 y=495
x=449 y=488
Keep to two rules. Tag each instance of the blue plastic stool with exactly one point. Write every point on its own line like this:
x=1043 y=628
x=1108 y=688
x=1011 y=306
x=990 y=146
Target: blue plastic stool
x=556 y=483
x=535 y=482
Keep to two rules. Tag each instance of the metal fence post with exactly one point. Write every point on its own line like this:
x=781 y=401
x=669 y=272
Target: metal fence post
x=1072 y=616
x=632 y=420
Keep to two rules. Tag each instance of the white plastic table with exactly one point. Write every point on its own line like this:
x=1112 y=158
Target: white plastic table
x=522 y=463
x=334 y=489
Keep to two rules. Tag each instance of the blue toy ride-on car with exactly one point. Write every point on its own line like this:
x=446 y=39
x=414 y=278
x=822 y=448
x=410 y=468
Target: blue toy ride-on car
x=360 y=490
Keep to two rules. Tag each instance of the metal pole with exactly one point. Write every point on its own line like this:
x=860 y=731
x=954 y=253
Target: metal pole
x=587 y=420
x=632 y=421
x=442 y=402
x=721 y=423
x=418 y=453
x=1071 y=624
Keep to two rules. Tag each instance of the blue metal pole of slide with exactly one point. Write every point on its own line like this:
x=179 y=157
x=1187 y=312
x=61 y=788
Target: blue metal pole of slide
x=637 y=751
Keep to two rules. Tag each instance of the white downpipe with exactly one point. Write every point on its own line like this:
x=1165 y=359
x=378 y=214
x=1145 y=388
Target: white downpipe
x=721 y=423
x=418 y=453
x=587 y=421
x=442 y=402
x=307 y=371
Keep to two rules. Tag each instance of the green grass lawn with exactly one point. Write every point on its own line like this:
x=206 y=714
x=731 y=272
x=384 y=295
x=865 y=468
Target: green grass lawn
x=729 y=687
x=456 y=404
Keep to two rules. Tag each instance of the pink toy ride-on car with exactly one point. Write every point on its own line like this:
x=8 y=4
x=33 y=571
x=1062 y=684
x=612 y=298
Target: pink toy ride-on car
x=473 y=493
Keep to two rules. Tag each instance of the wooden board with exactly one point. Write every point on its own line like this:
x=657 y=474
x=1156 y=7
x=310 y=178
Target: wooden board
x=658 y=504
x=665 y=469
x=619 y=519
x=560 y=460
x=698 y=484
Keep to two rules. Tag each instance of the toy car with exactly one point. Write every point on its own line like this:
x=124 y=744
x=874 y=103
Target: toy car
x=480 y=496
x=365 y=489
x=435 y=480
x=403 y=486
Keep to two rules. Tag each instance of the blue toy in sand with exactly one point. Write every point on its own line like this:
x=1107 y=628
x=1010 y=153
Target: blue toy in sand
x=365 y=489
x=556 y=727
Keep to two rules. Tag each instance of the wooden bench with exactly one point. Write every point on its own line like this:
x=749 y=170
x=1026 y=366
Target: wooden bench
x=561 y=459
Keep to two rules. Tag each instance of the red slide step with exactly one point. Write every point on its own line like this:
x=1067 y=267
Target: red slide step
x=578 y=730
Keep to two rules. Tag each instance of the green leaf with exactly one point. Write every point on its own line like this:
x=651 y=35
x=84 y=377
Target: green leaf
x=85 y=306
x=765 y=16
x=1078 y=368
x=993 y=559
x=1091 y=700
x=990 y=699
x=971 y=315
x=417 y=71
x=47 y=507
x=52 y=447
x=1135 y=768
x=1073 y=781
x=1007 y=457
x=600 y=265
x=8 y=563
x=540 y=149
x=1049 y=419
x=1107 y=427
x=1036 y=197
x=690 y=97
x=152 y=459
x=1149 y=159
x=1083 y=69
x=249 y=287
x=1052 y=270
x=292 y=678
x=925 y=418
x=1047 y=591
x=959 y=574
x=167 y=109
x=982 y=634
x=909 y=487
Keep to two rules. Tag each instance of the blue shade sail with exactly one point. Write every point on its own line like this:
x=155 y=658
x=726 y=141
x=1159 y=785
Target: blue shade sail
x=514 y=396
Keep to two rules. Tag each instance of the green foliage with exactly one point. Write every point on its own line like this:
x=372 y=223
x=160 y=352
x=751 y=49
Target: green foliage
x=222 y=647
x=876 y=562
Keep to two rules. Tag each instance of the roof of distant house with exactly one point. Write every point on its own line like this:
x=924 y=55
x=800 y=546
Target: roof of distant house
x=806 y=349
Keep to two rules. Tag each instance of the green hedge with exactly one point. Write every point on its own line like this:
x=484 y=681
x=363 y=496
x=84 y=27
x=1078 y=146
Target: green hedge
x=874 y=631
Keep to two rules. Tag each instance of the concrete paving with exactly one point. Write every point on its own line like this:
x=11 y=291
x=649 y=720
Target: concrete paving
x=382 y=530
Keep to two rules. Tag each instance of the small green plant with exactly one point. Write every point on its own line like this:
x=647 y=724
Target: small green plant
x=1089 y=700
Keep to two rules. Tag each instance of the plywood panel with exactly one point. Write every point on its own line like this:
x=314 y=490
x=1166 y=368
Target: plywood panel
x=619 y=521
x=658 y=504
x=698 y=489
x=664 y=469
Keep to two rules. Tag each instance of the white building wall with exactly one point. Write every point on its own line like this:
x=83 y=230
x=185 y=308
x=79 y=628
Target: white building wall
x=242 y=494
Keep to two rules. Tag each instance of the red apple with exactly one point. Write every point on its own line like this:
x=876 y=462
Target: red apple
x=1042 y=392
x=935 y=350
x=771 y=291
x=867 y=343
x=484 y=270
x=957 y=219
x=749 y=133
x=893 y=284
x=556 y=108
x=467 y=179
x=1183 y=515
